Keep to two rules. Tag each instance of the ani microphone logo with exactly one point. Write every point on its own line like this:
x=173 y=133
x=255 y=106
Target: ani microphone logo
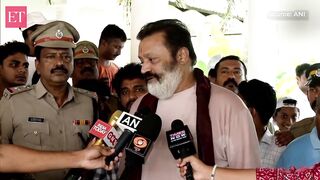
x=16 y=16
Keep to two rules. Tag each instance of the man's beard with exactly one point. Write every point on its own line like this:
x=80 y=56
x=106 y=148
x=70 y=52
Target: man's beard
x=164 y=87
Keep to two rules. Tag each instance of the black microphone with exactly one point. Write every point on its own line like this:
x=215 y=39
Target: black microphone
x=100 y=129
x=142 y=140
x=181 y=143
x=129 y=124
x=137 y=150
x=122 y=142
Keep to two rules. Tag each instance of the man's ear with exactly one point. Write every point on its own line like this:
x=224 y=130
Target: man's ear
x=104 y=42
x=212 y=79
x=1 y=67
x=298 y=79
x=36 y=63
x=182 y=55
x=253 y=111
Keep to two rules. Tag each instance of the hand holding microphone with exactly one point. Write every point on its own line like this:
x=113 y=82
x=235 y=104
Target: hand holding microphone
x=181 y=144
x=114 y=133
x=100 y=129
x=128 y=123
x=93 y=156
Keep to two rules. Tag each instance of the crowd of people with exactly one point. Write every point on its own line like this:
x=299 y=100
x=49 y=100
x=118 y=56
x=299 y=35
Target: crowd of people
x=236 y=123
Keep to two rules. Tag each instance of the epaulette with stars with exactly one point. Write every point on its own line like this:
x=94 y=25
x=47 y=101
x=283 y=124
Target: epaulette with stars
x=9 y=92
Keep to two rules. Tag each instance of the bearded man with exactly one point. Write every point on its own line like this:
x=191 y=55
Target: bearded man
x=219 y=121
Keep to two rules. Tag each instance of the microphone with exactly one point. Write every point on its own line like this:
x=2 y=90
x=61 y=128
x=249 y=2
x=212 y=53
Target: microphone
x=128 y=123
x=142 y=140
x=181 y=143
x=112 y=136
x=112 y=121
x=100 y=129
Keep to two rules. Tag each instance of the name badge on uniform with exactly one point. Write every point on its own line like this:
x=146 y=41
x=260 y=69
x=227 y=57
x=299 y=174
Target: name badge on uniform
x=80 y=122
x=36 y=119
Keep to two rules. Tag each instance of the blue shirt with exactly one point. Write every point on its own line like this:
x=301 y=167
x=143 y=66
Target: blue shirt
x=302 y=152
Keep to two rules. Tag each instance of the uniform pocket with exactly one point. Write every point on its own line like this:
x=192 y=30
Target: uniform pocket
x=35 y=133
x=79 y=138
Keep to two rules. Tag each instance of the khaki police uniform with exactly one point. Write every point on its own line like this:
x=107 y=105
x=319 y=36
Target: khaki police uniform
x=31 y=116
x=32 y=119
x=306 y=125
x=86 y=50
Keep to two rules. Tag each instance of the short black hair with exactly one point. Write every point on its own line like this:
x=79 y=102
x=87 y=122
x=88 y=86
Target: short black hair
x=230 y=57
x=261 y=96
x=11 y=48
x=35 y=78
x=212 y=72
x=32 y=28
x=176 y=35
x=37 y=51
x=128 y=72
x=112 y=31
x=302 y=68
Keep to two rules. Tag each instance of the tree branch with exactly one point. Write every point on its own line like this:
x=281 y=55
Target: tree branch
x=205 y=12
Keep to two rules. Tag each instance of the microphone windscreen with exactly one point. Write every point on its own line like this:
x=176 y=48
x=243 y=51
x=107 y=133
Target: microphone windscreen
x=150 y=126
x=114 y=117
x=143 y=111
x=177 y=124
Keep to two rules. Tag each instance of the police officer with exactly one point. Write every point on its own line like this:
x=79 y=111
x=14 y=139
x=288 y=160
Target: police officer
x=85 y=62
x=305 y=125
x=51 y=115
x=85 y=75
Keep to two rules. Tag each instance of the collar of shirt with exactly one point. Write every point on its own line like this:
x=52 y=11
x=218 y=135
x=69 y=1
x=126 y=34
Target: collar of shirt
x=314 y=138
x=41 y=91
x=267 y=137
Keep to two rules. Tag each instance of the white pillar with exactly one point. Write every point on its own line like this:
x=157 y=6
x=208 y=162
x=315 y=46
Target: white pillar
x=142 y=12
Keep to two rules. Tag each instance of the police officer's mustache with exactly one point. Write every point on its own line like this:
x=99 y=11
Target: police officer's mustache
x=87 y=69
x=149 y=75
x=59 y=68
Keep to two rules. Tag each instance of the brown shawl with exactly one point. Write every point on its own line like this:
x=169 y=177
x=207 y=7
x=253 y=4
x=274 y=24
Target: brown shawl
x=203 y=124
